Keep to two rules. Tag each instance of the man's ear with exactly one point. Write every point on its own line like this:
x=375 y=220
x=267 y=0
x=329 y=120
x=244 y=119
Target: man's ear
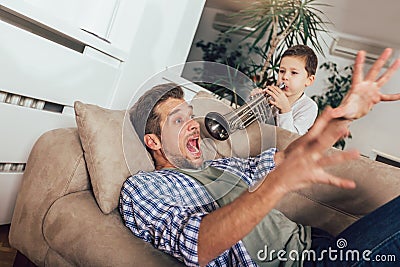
x=310 y=80
x=152 y=141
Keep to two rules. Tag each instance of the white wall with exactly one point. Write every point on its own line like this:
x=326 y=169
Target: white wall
x=164 y=38
x=91 y=15
x=204 y=32
x=378 y=130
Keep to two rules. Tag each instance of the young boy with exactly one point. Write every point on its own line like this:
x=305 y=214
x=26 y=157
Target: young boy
x=295 y=111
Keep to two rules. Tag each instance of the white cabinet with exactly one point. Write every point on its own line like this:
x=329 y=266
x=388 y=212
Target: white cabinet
x=39 y=82
x=96 y=16
x=9 y=185
x=54 y=52
x=35 y=67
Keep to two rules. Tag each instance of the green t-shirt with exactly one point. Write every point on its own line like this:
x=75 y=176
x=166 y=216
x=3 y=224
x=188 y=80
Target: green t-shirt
x=273 y=234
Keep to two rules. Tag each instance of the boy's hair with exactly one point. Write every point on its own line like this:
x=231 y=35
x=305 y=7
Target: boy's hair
x=143 y=115
x=305 y=52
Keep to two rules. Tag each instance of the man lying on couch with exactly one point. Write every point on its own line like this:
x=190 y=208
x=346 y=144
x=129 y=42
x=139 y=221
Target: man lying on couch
x=221 y=212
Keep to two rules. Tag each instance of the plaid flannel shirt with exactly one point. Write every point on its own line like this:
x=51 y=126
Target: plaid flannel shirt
x=165 y=208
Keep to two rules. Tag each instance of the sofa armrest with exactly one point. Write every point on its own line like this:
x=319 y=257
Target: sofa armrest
x=81 y=234
x=55 y=168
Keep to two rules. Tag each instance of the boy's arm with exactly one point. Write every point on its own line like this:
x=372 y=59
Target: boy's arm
x=298 y=121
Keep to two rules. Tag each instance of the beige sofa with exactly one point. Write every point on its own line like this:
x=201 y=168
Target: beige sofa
x=66 y=212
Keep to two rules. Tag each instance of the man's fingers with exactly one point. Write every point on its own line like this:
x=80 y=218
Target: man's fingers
x=358 y=67
x=388 y=73
x=339 y=112
x=320 y=124
x=347 y=111
x=393 y=97
x=338 y=157
x=330 y=135
x=327 y=129
x=379 y=63
x=336 y=181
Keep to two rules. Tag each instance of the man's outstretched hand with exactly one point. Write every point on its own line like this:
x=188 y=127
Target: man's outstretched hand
x=304 y=161
x=365 y=92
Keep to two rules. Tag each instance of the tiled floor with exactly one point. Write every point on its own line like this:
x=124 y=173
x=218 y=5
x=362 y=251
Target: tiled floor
x=7 y=254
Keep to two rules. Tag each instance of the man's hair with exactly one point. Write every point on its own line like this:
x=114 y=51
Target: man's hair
x=143 y=115
x=306 y=53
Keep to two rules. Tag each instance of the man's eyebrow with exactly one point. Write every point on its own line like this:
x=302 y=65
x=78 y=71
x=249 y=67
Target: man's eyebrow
x=178 y=110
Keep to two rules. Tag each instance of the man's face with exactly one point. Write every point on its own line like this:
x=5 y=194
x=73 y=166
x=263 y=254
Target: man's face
x=180 y=134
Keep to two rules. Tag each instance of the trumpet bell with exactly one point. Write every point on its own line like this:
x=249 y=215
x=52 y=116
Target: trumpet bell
x=217 y=126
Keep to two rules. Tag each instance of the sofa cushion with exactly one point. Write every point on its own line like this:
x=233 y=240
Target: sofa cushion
x=112 y=151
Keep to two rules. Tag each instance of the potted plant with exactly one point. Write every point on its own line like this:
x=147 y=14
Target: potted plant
x=279 y=24
x=237 y=56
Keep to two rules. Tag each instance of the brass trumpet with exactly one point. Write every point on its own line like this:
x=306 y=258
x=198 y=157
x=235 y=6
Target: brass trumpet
x=221 y=126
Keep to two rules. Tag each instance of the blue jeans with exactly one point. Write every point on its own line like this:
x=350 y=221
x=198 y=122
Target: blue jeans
x=374 y=240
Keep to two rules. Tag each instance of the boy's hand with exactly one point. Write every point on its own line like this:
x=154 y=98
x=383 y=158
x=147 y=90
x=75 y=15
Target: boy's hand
x=279 y=99
x=365 y=92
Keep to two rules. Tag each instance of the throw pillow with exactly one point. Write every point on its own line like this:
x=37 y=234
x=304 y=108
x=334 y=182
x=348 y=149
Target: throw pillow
x=112 y=151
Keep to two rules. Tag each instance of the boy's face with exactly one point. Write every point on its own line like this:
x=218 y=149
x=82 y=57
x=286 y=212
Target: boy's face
x=293 y=73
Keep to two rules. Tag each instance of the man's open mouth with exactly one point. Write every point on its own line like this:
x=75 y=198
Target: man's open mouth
x=193 y=146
